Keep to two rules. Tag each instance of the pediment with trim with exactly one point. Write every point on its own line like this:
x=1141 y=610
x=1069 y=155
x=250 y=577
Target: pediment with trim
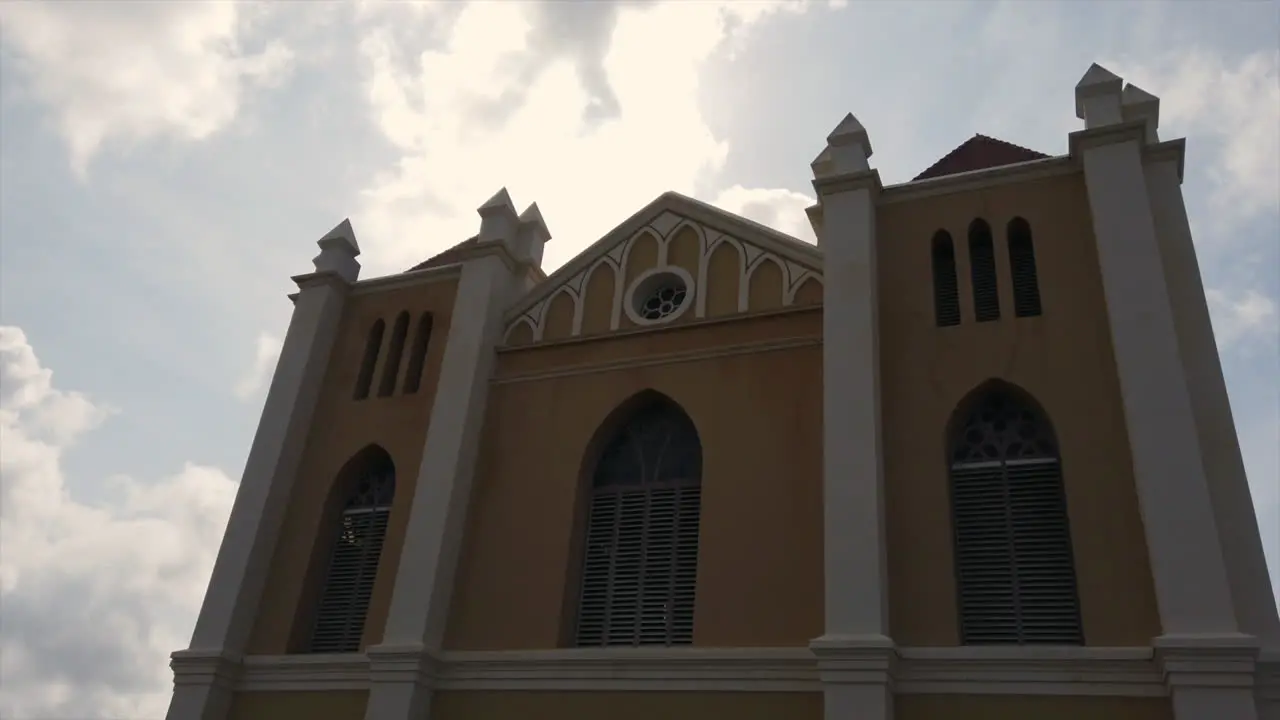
x=676 y=261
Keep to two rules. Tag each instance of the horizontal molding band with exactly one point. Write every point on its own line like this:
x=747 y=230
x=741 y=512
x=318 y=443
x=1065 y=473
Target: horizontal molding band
x=972 y=671
x=753 y=348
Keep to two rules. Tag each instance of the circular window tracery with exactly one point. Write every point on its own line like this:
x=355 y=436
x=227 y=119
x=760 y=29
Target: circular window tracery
x=659 y=295
x=662 y=302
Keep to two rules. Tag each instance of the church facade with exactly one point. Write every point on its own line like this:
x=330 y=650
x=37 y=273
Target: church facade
x=970 y=456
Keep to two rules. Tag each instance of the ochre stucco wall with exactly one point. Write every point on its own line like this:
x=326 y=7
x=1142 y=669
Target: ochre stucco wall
x=752 y=383
x=342 y=427
x=759 y=419
x=1063 y=359
x=328 y=705
x=626 y=706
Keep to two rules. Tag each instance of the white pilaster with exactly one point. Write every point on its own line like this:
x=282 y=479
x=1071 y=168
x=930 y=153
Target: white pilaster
x=1206 y=658
x=1234 y=512
x=401 y=668
x=855 y=652
x=205 y=673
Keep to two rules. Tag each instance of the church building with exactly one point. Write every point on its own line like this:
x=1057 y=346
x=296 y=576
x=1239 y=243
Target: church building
x=969 y=457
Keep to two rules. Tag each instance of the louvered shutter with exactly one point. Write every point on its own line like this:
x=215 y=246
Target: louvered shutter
x=641 y=563
x=1022 y=267
x=1014 y=565
x=982 y=272
x=353 y=567
x=946 y=291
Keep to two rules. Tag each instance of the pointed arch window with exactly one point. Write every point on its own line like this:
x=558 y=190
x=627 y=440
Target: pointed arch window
x=372 y=346
x=641 y=561
x=1014 y=564
x=982 y=271
x=946 y=291
x=1022 y=267
x=357 y=537
x=418 y=355
x=392 y=369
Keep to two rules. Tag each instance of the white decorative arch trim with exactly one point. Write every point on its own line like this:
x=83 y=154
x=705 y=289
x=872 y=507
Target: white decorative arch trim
x=796 y=263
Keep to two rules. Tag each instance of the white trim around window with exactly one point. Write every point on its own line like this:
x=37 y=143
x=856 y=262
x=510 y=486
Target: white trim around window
x=1095 y=671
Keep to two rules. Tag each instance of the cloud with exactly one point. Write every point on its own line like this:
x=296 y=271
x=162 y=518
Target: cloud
x=266 y=352
x=93 y=597
x=779 y=209
x=1236 y=107
x=1242 y=315
x=591 y=130
x=137 y=71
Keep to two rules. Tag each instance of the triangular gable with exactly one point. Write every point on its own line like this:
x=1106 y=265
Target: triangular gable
x=662 y=216
x=979 y=153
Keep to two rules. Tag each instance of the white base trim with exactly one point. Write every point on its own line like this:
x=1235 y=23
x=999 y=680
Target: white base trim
x=961 y=670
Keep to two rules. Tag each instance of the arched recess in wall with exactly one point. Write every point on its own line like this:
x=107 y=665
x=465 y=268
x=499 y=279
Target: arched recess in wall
x=766 y=285
x=418 y=355
x=391 y=369
x=520 y=333
x=1022 y=268
x=639 y=561
x=722 y=285
x=946 y=289
x=1015 y=567
x=982 y=271
x=372 y=345
x=355 y=530
x=598 y=297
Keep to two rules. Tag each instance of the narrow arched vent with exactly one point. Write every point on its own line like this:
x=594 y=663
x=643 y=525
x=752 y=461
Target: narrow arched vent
x=372 y=346
x=391 y=369
x=946 y=291
x=982 y=271
x=1022 y=267
x=418 y=355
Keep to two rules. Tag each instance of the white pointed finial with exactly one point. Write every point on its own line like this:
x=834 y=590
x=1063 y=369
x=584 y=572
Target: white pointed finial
x=532 y=235
x=338 y=251
x=1098 y=97
x=498 y=219
x=1138 y=104
x=849 y=147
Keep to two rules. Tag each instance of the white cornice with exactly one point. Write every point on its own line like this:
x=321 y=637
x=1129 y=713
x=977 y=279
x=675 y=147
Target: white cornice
x=965 y=670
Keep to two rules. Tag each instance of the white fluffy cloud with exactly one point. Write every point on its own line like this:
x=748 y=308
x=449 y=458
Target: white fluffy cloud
x=590 y=127
x=93 y=597
x=1242 y=315
x=266 y=352
x=136 y=71
x=776 y=208
x=1238 y=106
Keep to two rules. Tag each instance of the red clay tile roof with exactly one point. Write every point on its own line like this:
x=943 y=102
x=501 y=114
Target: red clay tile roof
x=979 y=153
x=445 y=257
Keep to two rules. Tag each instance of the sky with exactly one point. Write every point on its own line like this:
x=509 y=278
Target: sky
x=166 y=167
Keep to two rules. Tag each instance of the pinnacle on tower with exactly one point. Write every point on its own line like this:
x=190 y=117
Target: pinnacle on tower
x=338 y=251
x=498 y=219
x=848 y=148
x=532 y=235
x=1098 y=97
x=1138 y=104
